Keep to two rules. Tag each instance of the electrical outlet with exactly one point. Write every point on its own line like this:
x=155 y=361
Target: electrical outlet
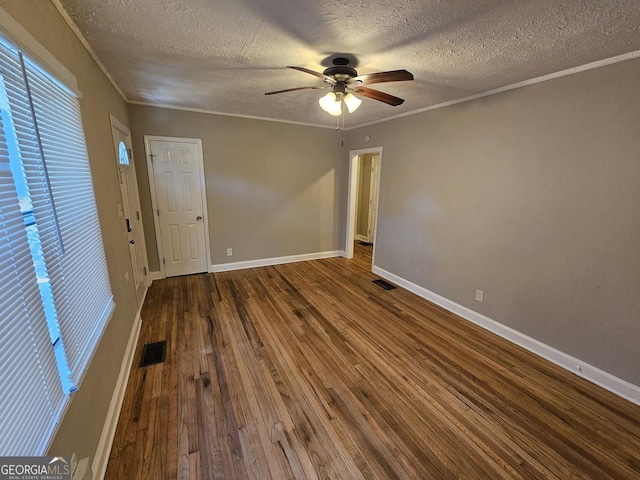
x=479 y=295
x=229 y=252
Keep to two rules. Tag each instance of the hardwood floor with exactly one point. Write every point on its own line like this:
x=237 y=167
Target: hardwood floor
x=310 y=371
x=363 y=255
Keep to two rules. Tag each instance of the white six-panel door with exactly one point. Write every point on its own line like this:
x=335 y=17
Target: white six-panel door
x=179 y=202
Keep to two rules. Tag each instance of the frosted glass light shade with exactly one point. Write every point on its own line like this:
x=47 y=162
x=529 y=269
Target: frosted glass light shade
x=331 y=104
x=352 y=102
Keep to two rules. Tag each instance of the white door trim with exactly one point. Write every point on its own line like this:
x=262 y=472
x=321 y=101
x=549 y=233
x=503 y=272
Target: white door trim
x=354 y=170
x=374 y=191
x=154 y=201
x=115 y=123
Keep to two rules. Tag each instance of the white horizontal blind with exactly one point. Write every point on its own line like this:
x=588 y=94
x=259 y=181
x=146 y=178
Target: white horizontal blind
x=36 y=199
x=55 y=297
x=81 y=289
x=29 y=376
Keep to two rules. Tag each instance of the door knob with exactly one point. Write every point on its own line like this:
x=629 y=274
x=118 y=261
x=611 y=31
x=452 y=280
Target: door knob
x=132 y=242
x=198 y=217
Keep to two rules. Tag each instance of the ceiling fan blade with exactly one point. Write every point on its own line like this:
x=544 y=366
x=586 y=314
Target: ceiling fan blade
x=294 y=89
x=378 y=95
x=391 y=76
x=321 y=76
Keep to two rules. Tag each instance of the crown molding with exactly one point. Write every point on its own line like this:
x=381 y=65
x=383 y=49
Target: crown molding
x=85 y=43
x=544 y=78
x=225 y=114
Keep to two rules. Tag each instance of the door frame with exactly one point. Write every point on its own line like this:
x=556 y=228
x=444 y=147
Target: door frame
x=123 y=129
x=374 y=190
x=154 y=200
x=352 y=192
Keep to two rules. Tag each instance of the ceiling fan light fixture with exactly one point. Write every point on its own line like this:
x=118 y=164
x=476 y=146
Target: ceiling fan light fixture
x=331 y=104
x=352 y=102
x=342 y=79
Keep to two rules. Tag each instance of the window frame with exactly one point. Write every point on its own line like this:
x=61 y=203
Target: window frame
x=15 y=37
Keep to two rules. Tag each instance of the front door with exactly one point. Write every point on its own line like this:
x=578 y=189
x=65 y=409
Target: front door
x=179 y=200
x=130 y=211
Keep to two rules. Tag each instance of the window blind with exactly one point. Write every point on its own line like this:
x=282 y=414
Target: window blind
x=55 y=297
x=82 y=296
x=29 y=376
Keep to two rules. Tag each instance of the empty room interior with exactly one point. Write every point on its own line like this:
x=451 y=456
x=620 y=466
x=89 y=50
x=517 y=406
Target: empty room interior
x=321 y=240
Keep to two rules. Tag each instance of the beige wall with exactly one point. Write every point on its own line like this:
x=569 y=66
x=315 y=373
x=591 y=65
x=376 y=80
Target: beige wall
x=531 y=196
x=82 y=424
x=271 y=187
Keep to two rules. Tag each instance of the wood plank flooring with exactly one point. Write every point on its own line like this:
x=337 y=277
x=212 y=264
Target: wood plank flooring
x=310 y=371
x=363 y=255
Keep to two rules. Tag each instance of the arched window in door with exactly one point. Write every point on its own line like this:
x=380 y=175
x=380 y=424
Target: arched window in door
x=123 y=156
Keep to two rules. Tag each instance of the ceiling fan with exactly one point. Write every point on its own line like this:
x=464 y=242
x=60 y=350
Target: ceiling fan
x=345 y=84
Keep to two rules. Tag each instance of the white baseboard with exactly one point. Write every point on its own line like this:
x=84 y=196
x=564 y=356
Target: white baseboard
x=362 y=238
x=154 y=276
x=101 y=458
x=227 y=267
x=607 y=381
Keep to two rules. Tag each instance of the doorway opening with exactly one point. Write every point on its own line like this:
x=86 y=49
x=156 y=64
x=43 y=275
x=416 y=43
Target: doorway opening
x=362 y=204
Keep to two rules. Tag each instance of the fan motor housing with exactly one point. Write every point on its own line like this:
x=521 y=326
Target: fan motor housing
x=337 y=72
x=341 y=70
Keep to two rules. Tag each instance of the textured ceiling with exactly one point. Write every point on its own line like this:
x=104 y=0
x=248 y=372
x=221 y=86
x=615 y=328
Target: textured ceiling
x=222 y=55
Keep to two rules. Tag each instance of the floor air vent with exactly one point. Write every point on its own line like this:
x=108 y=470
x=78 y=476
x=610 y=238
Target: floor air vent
x=153 y=353
x=384 y=284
